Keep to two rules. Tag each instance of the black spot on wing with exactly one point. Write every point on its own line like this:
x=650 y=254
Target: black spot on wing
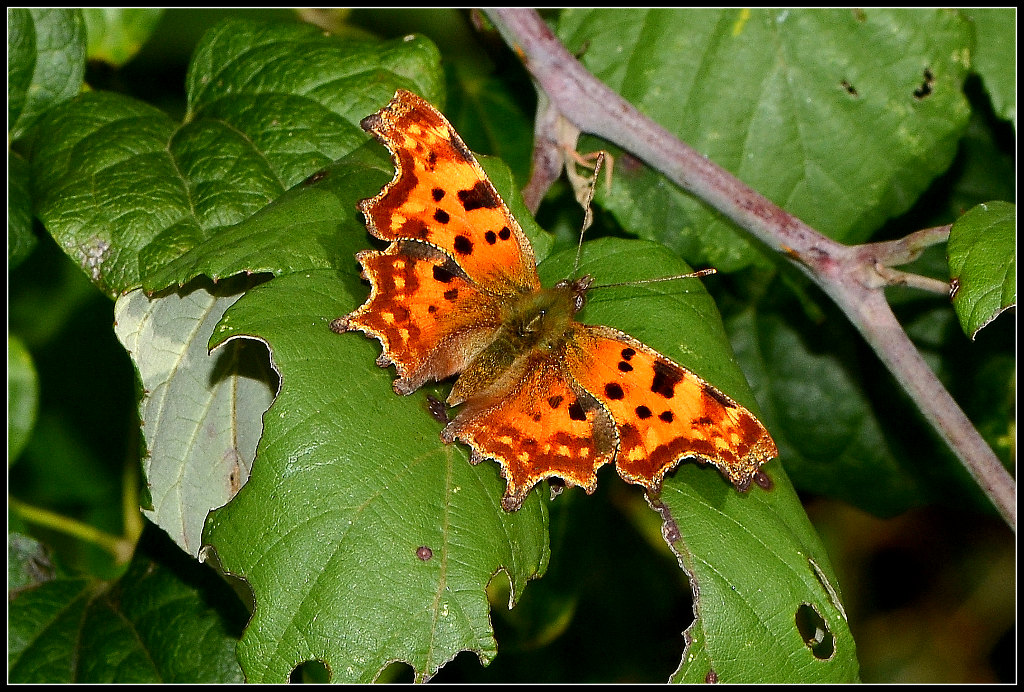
x=576 y=411
x=614 y=391
x=463 y=245
x=441 y=274
x=480 y=196
x=665 y=379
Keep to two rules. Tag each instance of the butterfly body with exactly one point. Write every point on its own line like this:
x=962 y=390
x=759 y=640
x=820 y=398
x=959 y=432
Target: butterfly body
x=457 y=293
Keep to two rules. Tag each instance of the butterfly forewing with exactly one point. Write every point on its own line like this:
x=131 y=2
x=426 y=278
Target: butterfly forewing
x=441 y=195
x=664 y=413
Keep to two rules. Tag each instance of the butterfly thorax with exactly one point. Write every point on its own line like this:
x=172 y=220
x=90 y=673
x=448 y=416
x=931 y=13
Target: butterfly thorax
x=536 y=327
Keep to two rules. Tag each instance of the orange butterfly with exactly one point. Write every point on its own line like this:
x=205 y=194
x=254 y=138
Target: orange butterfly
x=457 y=293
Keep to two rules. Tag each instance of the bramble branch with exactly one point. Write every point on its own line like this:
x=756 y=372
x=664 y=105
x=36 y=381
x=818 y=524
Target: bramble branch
x=853 y=276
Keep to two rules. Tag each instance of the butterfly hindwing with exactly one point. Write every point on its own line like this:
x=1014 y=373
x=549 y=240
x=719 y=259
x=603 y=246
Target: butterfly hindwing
x=543 y=427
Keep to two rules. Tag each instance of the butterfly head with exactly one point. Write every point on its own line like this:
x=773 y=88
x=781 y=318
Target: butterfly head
x=577 y=289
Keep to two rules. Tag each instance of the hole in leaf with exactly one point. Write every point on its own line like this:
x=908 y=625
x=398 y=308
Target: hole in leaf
x=499 y=590
x=311 y=672
x=815 y=632
x=396 y=672
x=850 y=89
x=926 y=86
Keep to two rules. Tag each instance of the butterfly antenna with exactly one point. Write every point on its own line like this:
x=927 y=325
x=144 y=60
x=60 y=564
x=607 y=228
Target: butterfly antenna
x=691 y=275
x=588 y=219
x=588 y=214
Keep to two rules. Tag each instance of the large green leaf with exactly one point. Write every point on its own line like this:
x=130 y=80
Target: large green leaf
x=983 y=264
x=348 y=438
x=842 y=117
x=201 y=413
x=125 y=190
x=365 y=540
x=753 y=559
x=46 y=61
x=351 y=480
x=151 y=625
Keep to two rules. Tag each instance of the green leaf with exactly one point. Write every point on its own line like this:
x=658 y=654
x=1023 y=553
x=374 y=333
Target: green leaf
x=125 y=191
x=349 y=484
x=201 y=412
x=746 y=628
x=995 y=56
x=115 y=35
x=983 y=264
x=20 y=238
x=751 y=595
x=843 y=117
x=46 y=62
x=149 y=626
x=308 y=227
x=22 y=397
x=833 y=439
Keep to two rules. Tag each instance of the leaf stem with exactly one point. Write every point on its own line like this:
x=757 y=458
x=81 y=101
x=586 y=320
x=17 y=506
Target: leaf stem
x=893 y=253
x=849 y=275
x=121 y=548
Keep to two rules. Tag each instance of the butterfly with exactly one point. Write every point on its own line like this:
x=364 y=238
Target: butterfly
x=457 y=293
